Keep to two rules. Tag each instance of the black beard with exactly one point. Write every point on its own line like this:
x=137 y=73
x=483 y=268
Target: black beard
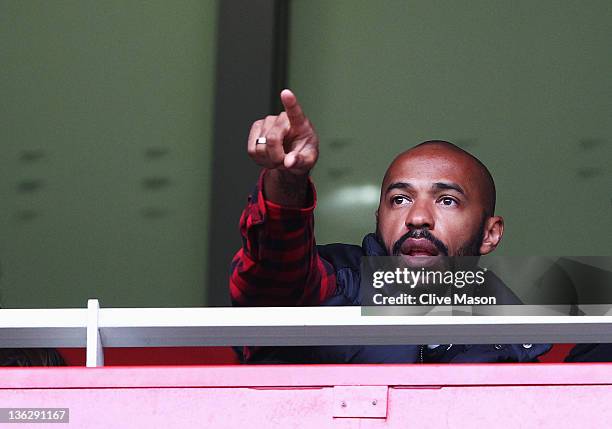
x=471 y=248
x=418 y=234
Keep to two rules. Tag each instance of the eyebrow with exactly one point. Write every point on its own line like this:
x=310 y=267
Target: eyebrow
x=436 y=186
x=398 y=185
x=449 y=185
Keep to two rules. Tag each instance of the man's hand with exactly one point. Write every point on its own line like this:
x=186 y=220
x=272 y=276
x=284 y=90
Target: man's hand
x=291 y=142
x=290 y=151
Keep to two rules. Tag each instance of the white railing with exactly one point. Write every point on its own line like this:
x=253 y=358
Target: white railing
x=95 y=328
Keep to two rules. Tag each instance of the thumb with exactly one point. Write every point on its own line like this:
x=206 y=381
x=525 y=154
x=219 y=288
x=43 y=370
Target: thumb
x=292 y=160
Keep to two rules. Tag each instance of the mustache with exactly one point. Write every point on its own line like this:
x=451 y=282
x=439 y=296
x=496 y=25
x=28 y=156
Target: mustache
x=420 y=234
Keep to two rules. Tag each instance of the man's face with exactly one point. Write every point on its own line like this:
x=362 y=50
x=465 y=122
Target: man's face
x=433 y=205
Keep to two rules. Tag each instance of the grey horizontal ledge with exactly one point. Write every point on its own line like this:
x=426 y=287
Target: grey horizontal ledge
x=299 y=326
x=42 y=337
x=356 y=335
x=287 y=326
x=43 y=328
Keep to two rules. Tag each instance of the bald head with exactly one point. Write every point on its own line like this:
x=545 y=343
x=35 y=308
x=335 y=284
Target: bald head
x=437 y=199
x=478 y=174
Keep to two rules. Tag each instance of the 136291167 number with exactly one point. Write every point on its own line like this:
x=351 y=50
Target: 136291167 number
x=15 y=415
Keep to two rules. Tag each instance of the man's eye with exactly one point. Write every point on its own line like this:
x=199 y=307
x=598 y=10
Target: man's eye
x=448 y=201
x=399 y=200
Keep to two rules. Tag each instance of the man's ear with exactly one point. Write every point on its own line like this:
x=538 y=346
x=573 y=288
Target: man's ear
x=492 y=234
x=376 y=214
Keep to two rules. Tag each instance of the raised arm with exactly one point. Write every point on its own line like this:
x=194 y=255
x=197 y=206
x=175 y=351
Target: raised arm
x=288 y=146
x=278 y=263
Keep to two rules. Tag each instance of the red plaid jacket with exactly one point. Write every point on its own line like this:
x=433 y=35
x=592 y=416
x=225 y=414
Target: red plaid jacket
x=278 y=264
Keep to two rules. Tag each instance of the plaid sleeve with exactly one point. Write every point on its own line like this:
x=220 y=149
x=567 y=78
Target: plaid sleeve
x=278 y=264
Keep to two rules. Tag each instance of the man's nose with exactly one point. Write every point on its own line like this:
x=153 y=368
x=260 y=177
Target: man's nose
x=419 y=216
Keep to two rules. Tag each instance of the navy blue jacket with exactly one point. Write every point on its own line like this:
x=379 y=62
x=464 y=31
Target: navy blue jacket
x=346 y=261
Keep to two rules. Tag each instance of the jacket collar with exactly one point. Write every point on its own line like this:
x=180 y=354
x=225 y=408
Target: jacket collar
x=372 y=246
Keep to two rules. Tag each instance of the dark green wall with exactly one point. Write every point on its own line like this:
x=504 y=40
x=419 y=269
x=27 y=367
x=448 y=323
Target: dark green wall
x=523 y=85
x=106 y=117
x=106 y=113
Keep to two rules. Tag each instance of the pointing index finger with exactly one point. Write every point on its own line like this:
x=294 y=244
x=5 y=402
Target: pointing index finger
x=292 y=108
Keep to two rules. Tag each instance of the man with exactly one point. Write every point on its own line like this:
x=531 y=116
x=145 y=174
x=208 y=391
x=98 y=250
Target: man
x=436 y=200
